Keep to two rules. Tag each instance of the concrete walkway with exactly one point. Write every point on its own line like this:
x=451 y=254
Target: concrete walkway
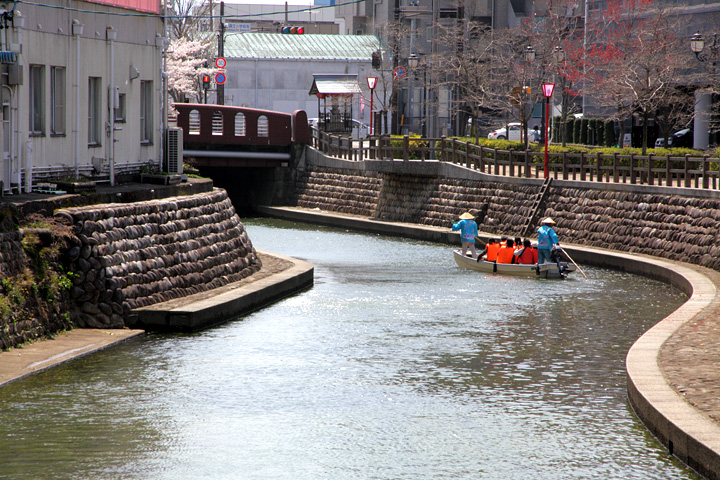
x=35 y=357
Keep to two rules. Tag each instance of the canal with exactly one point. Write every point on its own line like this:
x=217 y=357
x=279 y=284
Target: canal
x=395 y=365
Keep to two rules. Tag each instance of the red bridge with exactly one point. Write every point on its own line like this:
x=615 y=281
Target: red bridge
x=225 y=136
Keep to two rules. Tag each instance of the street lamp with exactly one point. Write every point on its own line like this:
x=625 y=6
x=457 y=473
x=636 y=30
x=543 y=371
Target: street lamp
x=547 y=89
x=697 y=45
x=529 y=54
x=372 y=83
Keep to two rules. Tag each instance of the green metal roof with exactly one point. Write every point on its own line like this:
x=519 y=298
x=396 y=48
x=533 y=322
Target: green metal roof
x=300 y=47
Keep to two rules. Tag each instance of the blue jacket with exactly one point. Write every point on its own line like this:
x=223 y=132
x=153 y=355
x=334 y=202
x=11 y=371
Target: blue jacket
x=547 y=237
x=468 y=230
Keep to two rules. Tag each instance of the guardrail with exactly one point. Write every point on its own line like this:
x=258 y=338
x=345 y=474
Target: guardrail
x=661 y=170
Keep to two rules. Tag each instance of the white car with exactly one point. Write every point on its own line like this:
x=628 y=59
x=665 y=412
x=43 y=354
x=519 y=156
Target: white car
x=513 y=129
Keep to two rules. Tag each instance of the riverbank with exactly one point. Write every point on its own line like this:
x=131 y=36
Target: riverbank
x=673 y=382
x=279 y=277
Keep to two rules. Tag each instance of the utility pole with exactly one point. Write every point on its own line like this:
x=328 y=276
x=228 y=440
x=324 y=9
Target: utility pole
x=221 y=53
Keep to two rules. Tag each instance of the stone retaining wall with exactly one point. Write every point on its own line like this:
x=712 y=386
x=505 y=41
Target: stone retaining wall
x=139 y=254
x=12 y=255
x=670 y=226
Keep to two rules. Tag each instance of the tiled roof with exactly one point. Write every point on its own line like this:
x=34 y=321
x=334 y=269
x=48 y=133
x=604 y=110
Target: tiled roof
x=300 y=47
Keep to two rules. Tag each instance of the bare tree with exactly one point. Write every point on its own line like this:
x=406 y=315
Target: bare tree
x=638 y=58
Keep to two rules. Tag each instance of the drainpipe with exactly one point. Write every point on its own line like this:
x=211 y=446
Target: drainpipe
x=11 y=144
x=77 y=31
x=111 y=37
x=19 y=24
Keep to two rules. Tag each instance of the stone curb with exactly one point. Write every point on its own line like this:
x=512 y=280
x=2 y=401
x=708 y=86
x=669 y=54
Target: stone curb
x=686 y=432
x=191 y=314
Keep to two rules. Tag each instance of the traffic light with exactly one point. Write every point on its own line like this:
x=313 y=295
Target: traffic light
x=206 y=81
x=293 y=30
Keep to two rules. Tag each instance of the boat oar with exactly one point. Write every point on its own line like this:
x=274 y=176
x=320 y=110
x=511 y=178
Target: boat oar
x=573 y=262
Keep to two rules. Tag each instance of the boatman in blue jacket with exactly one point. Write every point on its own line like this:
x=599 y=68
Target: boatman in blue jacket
x=547 y=239
x=468 y=231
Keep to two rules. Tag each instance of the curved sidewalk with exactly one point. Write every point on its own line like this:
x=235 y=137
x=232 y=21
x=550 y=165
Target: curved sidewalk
x=673 y=369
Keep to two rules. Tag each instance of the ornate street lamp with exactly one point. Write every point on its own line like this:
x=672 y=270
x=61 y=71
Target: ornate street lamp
x=529 y=54
x=559 y=54
x=547 y=89
x=372 y=83
x=697 y=45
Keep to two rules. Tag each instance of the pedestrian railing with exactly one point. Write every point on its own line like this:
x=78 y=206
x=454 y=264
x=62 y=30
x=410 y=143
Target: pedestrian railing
x=661 y=170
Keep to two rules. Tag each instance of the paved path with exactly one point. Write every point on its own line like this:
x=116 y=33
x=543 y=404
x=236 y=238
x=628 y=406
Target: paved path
x=38 y=356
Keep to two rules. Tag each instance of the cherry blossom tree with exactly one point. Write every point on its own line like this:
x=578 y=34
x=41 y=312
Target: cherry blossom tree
x=187 y=62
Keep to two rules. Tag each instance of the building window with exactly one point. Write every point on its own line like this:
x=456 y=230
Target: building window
x=37 y=111
x=94 y=103
x=146 y=111
x=120 y=108
x=57 y=100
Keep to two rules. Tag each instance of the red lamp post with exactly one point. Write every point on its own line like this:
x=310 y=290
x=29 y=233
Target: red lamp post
x=372 y=83
x=547 y=89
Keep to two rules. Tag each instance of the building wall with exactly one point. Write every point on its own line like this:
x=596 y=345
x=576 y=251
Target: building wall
x=283 y=84
x=47 y=40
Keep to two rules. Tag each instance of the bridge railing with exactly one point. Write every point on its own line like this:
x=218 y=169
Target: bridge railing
x=661 y=170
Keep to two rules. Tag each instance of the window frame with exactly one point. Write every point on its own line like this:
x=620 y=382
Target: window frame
x=94 y=111
x=58 y=100
x=146 y=112
x=36 y=88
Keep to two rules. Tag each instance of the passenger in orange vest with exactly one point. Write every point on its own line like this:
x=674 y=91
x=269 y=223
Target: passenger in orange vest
x=491 y=250
x=506 y=254
x=526 y=255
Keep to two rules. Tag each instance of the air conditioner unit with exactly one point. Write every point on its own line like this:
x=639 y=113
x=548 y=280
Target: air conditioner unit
x=174 y=150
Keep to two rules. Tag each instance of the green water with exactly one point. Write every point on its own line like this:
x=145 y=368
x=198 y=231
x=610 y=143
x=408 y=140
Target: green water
x=395 y=365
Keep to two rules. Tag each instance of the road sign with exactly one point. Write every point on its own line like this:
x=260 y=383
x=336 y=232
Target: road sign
x=399 y=72
x=220 y=62
x=220 y=78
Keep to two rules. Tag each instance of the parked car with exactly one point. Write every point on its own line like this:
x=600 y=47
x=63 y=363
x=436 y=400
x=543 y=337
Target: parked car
x=513 y=129
x=681 y=138
x=360 y=130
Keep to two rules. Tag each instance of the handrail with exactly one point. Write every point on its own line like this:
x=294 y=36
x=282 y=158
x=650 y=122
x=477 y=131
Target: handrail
x=701 y=172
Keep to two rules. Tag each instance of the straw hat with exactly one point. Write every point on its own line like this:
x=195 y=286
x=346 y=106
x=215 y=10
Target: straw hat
x=467 y=216
x=546 y=220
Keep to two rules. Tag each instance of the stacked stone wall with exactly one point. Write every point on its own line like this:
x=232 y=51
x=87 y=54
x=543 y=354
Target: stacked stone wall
x=337 y=190
x=674 y=227
x=12 y=255
x=139 y=254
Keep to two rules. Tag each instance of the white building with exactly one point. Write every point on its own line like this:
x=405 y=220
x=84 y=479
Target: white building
x=81 y=90
x=272 y=71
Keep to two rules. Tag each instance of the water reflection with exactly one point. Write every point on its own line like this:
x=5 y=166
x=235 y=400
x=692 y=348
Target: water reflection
x=396 y=365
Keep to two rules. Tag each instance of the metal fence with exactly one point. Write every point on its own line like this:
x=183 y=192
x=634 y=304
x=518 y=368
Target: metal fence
x=661 y=170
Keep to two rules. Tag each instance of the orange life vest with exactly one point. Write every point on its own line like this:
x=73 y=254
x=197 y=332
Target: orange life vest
x=506 y=255
x=492 y=251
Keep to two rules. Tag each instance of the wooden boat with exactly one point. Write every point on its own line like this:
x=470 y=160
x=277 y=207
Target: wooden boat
x=543 y=270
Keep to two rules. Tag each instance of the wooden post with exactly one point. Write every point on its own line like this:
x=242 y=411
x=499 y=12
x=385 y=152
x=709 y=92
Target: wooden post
x=633 y=168
x=406 y=148
x=668 y=173
x=650 y=161
x=616 y=176
x=706 y=172
x=564 y=165
x=687 y=168
x=582 y=166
